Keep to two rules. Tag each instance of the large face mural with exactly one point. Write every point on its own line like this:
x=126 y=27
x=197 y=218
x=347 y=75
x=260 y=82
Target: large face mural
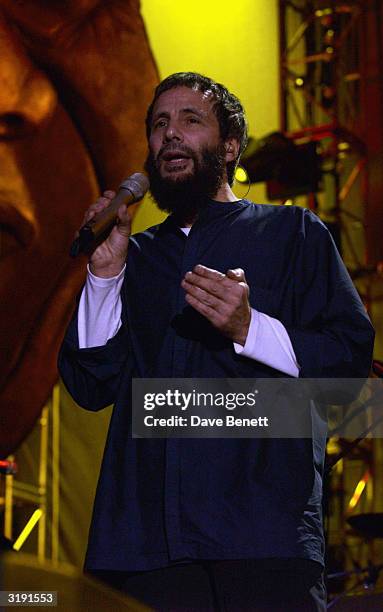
x=76 y=77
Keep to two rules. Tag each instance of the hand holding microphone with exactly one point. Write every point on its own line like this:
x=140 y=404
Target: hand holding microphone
x=107 y=227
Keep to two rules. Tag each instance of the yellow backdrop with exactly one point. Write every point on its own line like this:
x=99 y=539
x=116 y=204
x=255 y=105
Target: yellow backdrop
x=235 y=43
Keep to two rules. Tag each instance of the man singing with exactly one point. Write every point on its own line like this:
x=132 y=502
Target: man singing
x=223 y=288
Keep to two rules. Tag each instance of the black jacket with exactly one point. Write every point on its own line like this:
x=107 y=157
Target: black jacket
x=164 y=501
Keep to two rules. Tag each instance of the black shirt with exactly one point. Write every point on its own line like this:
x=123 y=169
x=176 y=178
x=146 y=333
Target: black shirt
x=161 y=501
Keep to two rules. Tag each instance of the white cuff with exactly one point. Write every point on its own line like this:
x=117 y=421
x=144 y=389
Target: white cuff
x=99 y=311
x=98 y=281
x=268 y=342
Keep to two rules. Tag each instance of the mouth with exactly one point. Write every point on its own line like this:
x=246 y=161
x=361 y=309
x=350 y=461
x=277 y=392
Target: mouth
x=175 y=156
x=16 y=231
x=175 y=161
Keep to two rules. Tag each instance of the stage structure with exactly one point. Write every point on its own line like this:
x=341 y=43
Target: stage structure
x=331 y=94
x=30 y=505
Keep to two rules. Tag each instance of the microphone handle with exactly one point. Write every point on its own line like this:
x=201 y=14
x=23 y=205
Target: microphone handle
x=97 y=229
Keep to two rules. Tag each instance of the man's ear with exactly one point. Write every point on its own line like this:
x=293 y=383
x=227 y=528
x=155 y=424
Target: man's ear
x=232 y=149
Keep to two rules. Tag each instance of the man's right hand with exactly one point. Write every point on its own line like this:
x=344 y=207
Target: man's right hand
x=109 y=257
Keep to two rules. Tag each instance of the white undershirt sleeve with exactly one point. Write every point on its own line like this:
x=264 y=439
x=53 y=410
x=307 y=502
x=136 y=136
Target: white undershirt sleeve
x=99 y=311
x=268 y=342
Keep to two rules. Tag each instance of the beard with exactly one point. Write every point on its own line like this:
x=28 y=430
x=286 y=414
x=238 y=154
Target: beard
x=186 y=195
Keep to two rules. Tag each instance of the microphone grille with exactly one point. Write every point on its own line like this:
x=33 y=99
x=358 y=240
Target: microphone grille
x=137 y=184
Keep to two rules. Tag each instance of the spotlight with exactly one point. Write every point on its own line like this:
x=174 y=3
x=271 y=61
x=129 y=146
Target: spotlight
x=240 y=175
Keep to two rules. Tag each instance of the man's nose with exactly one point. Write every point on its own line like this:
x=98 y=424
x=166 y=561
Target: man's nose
x=173 y=132
x=27 y=99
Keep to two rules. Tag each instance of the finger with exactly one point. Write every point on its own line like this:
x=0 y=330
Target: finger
x=207 y=311
x=206 y=272
x=103 y=201
x=203 y=296
x=221 y=287
x=100 y=204
x=123 y=221
x=236 y=274
x=123 y=215
x=109 y=194
x=213 y=287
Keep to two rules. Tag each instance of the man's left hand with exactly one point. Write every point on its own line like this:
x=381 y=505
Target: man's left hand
x=222 y=298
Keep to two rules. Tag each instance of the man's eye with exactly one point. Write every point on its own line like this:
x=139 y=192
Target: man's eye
x=193 y=120
x=159 y=124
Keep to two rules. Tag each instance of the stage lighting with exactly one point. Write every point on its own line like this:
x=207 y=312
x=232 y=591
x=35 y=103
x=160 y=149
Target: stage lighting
x=240 y=175
x=288 y=169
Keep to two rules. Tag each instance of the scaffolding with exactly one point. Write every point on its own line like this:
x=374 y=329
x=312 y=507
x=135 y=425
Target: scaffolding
x=39 y=494
x=323 y=84
x=330 y=82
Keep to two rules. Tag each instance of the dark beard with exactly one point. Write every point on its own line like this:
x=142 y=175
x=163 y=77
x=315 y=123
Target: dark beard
x=186 y=196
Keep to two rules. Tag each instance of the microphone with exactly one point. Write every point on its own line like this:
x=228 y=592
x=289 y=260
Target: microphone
x=97 y=229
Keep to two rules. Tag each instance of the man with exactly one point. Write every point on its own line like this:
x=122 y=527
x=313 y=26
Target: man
x=222 y=288
x=60 y=107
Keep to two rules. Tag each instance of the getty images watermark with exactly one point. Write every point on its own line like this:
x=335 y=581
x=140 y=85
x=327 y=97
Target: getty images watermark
x=186 y=401
x=247 y=408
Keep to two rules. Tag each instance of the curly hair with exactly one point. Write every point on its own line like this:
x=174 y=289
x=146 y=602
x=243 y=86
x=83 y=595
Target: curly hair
x=227 y=108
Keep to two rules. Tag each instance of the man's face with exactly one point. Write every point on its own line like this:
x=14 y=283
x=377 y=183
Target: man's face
x=186 y=162
x=183 y=124
x=63 y=135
